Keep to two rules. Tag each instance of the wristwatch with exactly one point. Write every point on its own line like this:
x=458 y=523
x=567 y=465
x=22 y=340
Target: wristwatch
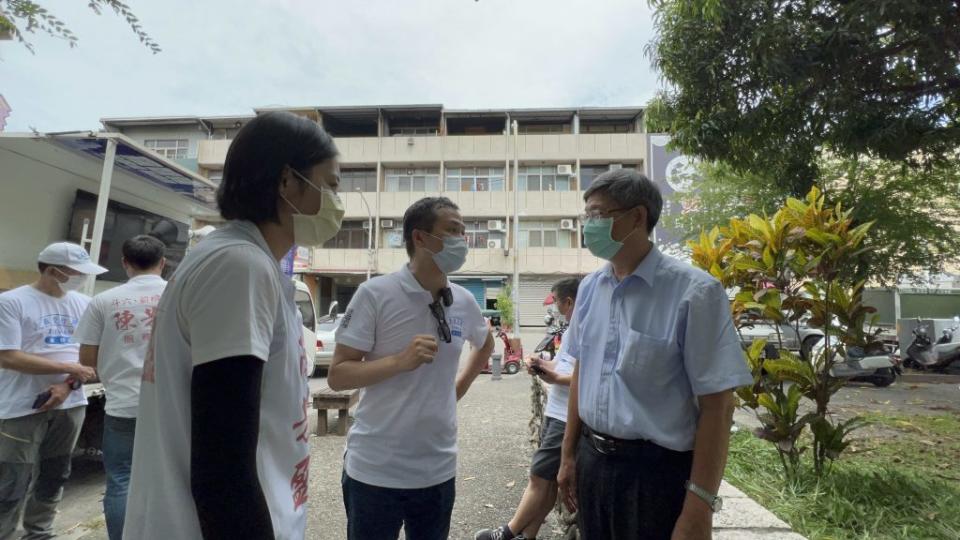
x=715 y=502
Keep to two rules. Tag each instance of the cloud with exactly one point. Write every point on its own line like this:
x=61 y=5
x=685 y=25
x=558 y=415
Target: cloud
x=226 y=57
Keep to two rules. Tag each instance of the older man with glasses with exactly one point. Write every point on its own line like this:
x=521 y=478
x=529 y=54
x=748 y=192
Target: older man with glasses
x=400 y=340
x=651 y=398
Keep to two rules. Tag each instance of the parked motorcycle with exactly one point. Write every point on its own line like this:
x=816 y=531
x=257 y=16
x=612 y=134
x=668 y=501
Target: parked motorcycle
x=511 y=359
x=875 y=365
x=551 y=342
x=924 y=354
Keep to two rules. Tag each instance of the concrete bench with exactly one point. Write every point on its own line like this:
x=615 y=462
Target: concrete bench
x=325 y=400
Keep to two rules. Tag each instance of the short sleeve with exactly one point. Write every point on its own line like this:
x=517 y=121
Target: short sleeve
x=90 y=329
x=475 y=323
x=358 y=329
x=570 y=342
x=712 y=354
x=230 y=306
x=11 y=338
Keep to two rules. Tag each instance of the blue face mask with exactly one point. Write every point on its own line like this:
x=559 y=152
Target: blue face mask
x=598 y=236
x=452 y=256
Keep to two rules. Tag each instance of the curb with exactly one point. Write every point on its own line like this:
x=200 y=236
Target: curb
x=930 y=378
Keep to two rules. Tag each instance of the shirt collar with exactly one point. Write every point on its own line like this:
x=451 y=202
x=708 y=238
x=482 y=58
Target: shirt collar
x=250 y=229
x=410 y=284
x=145 y=277
x=646 y=270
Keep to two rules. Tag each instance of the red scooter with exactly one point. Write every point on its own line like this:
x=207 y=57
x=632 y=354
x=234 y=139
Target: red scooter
x=511 y=359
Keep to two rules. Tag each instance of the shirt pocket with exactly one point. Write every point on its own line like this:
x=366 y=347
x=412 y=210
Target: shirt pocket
x=649 y=361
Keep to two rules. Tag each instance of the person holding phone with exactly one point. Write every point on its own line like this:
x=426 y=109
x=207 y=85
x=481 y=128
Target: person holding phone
x=221 y=447
x=41 y=403
x=400 y=340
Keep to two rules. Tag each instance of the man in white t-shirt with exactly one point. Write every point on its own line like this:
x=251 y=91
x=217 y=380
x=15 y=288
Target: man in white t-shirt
x=222 y=440
x=41 y=404
x=540 y=496
x=113 y=336
x=400 y=341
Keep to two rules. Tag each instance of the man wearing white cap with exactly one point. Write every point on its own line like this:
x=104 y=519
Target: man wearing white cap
x=41 y=404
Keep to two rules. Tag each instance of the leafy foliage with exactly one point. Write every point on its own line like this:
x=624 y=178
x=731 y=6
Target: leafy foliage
x=914 y=210
x=505 y=306
x=766 y=86
x=785 y=268
x=20 y=17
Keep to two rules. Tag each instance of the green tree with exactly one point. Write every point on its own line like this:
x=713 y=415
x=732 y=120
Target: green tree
x=915 y=210
x=19 y=17
x=768 y=85
x=657 y=116
x=505 y=306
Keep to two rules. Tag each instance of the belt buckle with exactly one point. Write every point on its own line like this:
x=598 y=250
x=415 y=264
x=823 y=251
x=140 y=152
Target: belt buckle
x=603 y=445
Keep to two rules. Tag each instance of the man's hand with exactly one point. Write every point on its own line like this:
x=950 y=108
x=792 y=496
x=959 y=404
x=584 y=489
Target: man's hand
x=693 y=525
x=567 y=483
x=82 y=373
x=58 y=394
x=421 y=351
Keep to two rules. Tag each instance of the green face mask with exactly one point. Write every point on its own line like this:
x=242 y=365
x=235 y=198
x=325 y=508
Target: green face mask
x=598 y=236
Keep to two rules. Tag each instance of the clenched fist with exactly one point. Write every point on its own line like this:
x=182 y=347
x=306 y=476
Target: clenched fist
x=421 y=350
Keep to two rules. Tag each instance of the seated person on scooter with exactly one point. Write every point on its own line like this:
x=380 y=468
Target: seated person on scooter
x=541 y=493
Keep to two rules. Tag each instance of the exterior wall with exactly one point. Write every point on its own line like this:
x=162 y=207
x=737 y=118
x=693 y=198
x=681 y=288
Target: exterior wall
x=193 y=133
x=542 y=265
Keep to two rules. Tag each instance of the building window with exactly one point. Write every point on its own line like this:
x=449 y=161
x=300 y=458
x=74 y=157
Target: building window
x=589 y=173
x=352 y=235
x=215 y=176
x=544 y=234
x=365 y=179
x=606 y=127
x=543 y=179
x=475 y=179
x=418 y=180
x=169 y=148
x=413 y=131
x=478 y=237
x=543 y=128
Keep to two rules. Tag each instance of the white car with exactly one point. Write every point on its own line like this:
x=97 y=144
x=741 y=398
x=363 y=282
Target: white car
x=326 y=342
x=801 y=343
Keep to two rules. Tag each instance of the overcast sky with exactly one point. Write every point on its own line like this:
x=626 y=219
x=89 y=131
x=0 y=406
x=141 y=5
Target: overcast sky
x=227 y=56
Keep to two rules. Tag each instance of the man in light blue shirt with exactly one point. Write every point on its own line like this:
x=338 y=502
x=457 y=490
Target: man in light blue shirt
x=651 y=399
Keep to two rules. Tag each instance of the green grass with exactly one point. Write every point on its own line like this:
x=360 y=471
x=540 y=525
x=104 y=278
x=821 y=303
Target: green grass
x=900 y=481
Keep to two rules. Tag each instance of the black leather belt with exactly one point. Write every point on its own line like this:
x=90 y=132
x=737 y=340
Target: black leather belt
x=609 y=445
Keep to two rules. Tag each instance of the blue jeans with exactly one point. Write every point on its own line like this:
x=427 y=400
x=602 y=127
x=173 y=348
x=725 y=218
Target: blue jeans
x=377 y=513
x=117 y=458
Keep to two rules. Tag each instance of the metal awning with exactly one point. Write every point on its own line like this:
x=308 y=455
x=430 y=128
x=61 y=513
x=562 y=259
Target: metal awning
x=115 y=163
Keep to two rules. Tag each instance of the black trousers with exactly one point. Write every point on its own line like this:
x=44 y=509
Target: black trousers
x=636 y=494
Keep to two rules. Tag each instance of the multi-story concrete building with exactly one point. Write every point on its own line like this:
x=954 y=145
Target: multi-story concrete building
x=394 y=155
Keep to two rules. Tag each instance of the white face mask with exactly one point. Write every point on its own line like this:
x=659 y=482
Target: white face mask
x=310 y=230
x=452 y=256
x=73 y=283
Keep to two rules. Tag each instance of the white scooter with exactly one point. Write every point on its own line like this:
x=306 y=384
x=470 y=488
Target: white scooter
x=880 y=369
x=923 y=354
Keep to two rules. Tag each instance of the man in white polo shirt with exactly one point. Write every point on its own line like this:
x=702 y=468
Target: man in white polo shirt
x=400 y=340
x=113 y=336
x=41 y=404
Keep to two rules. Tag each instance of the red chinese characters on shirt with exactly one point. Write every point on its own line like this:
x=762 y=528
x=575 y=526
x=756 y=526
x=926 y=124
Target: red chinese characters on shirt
x=298 y=484
x=302 y=426
x=124 y=320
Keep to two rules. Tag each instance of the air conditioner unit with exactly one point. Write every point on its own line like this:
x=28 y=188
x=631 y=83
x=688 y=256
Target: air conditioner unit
x=567 y=224
x=616 y=166
x=494 y=244
x=386 y=223
x=366 y=225
x=565 y=170
x=495 y=225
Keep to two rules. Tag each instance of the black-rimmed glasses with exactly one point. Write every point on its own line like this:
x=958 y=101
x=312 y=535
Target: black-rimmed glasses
x=443 y=329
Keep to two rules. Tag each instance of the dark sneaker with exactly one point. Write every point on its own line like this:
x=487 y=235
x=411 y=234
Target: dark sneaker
x=500 y=533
